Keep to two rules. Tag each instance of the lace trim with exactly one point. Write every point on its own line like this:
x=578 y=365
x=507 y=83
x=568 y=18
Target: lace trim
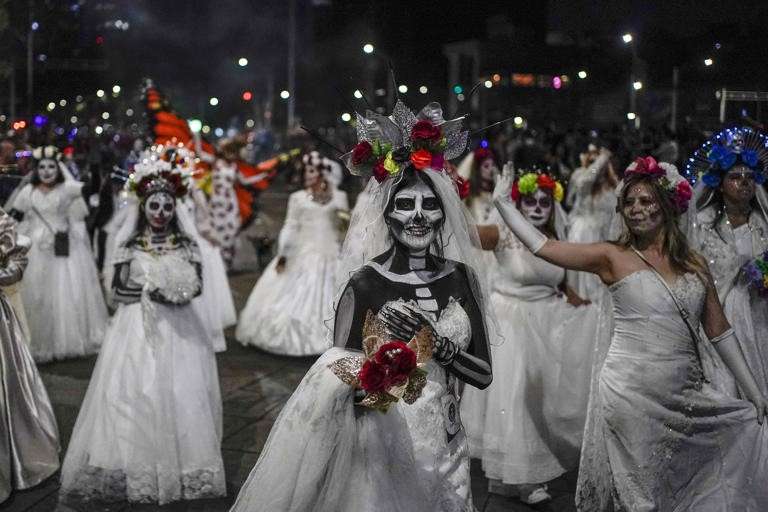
x=92 y=483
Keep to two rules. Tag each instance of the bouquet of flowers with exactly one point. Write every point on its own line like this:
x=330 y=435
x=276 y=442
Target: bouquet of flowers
x=756 y=274
x=390 y=369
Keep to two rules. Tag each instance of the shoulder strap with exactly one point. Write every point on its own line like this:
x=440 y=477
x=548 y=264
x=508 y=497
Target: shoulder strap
x=40 y=216
x=680 y=307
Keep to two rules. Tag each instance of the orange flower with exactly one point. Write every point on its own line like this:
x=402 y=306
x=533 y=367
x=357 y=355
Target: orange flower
x=421 y=159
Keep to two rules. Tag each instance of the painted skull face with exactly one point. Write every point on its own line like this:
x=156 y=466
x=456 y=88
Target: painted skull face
x=48 y=171
x=159 y=209
x=738 y=184
x=641 y=210
x=416 y=216
x=537 y=207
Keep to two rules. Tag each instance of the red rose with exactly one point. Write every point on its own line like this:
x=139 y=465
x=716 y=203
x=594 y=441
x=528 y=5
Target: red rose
x=515 y=192
x=399 y=360
x=362 y=153
x=379 y=172
x=546 y=181
x=373 y=377
x=421 y=159
x=426 y=131
x=438 y=161
x=482 y=154
x=462 y=186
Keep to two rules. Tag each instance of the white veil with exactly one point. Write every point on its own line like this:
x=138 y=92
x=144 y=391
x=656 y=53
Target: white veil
x=368 y=237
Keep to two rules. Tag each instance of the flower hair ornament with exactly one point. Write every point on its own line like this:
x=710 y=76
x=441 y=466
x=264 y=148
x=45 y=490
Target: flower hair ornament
x=726 y=149
x=158 y=171
x=387 y=145
x=46 y=152
x=531 y=181
x=666 y=176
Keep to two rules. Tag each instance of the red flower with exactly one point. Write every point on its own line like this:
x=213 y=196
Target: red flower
x=647 y=165
x=481 y=154
x=379 y=172
x=438 y=161
x=462 y=186
x=373 y=377
x=515 y=192
x=421 y=159
x=682 y=197
x=399 y=360
x=362 y=153
x=546 y=181
x=426 y=131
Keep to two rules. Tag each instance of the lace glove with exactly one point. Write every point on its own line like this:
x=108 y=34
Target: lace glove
x=517 y=223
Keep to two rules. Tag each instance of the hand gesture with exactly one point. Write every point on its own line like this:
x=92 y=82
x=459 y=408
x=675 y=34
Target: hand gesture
x=501 y=192
x=403 y=322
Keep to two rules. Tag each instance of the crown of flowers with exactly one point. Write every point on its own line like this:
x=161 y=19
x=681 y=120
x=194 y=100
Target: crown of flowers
x=725 y=149
x=154 y=174
x=529 y=182
x=387 y=145
x=723 y=158
x=667 y=177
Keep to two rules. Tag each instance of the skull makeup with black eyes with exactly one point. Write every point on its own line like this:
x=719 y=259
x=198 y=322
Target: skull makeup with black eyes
x=159 y=210
x=48 y=171
x=537 y=207
x=415 y=216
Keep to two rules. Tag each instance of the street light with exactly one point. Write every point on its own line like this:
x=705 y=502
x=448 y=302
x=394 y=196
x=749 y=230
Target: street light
x=518 y=121
x=51 y=106
x=627 y=38
x=213 y=101
x=637 y=85
x=63 y=103
x=488 y=84
x=403 y=88
x=582 y=74
x=100 y=93
x=116 y=89
x=242 y=62
x=423 y=89
x=708 y=61
x=285 y=94
x=368 y=48
x=357 y=94
x=195 y=125
x=105 y=115
x=346 y=117
x=631 y=116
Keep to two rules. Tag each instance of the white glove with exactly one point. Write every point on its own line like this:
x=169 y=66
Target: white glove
x=515 y=221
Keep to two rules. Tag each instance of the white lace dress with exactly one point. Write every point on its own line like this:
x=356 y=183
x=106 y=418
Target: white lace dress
x=62 y=296
x=150 y=427
x=326 y=454
x=727 y=250
x=589 y=221
x=286 y=313
x=658 y=437
x=527 y=426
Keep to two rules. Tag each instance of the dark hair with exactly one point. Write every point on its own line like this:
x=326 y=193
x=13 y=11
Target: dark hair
x=675 y=245
x=36 y=177
x=717 y=201
x=409 y=176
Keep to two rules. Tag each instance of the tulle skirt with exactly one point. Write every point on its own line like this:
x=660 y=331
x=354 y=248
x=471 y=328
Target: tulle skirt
x=324 y=454
x=29 y=437
x=63 y=299
x=527 y=426
x=216 y=301
x=290 y=313
x=586 y=229
x=150 y=427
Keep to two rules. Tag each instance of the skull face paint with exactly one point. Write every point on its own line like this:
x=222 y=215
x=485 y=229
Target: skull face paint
x=416 y=216
x=641 y=210
x=159 y=210
x=48 y=171
x=738 y=186
x=537 y=207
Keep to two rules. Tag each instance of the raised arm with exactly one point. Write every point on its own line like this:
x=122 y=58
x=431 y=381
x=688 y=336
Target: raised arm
x=721 y=334
x=596 y=257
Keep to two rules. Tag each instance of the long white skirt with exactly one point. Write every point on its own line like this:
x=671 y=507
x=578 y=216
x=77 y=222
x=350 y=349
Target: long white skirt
x=216 y=303
x=527 y=425
x=150 y=427
x=324 y=454
x=63 y=299
x=290 y=313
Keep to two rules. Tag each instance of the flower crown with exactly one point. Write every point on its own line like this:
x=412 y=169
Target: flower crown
x=387 y=145
x=666 y=176
x=725 y=149
x=723 y=158
x=153 y=174
x=529 y=182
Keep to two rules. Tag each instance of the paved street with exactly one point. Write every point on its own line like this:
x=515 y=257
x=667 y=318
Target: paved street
x=254 y=386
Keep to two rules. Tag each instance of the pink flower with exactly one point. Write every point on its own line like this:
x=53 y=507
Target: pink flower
x=438 y=161
x=647 y=165
x=683 y=195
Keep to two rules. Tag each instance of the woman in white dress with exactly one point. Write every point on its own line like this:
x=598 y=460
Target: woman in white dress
x=527 y=426
x=29 y=437
x=593 y=192
x=480 y=169
x=52 y=209
x=731 y=231
x=406 y=268
x=288 y=307
x=658 y=436
x=150 y=426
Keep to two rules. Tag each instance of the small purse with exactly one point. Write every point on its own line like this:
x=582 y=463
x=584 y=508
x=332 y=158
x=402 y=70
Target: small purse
x=60 y=238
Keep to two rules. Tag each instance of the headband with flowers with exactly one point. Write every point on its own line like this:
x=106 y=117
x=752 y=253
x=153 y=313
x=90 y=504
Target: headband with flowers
x=154 y=174
x=387 y=145
x=530 y=182
x=724 y=150
x=666 y=175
